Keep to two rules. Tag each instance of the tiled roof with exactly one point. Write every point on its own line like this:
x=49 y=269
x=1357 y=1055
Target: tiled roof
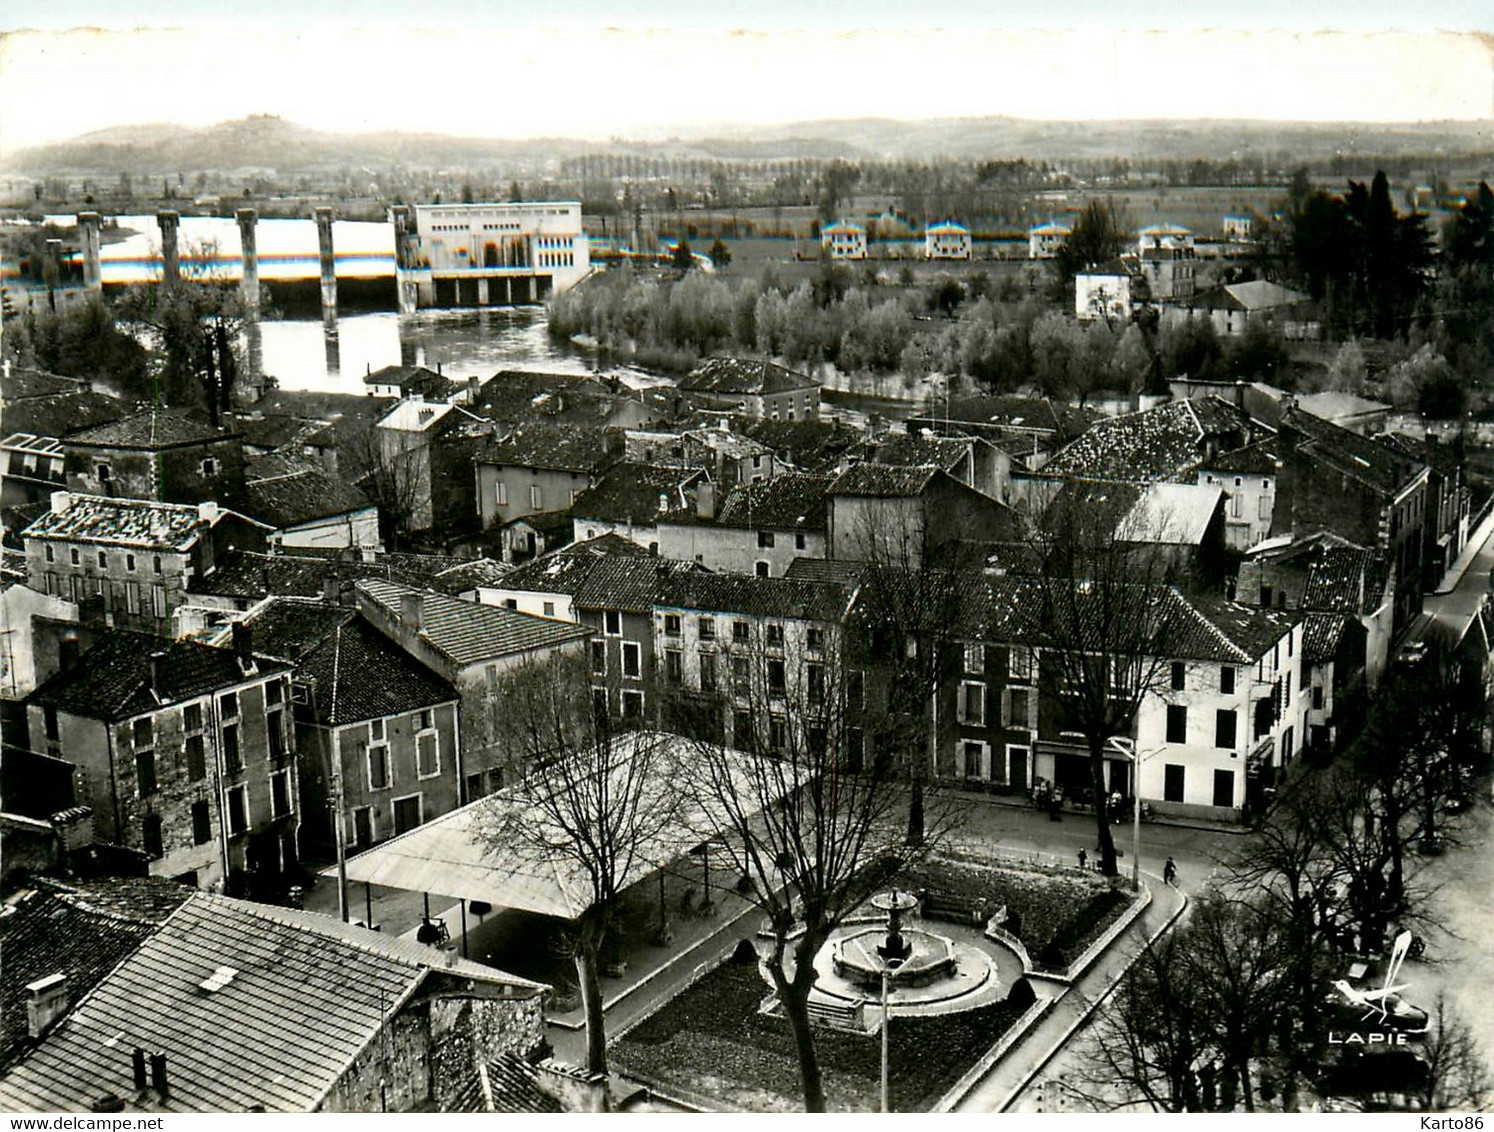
x=414 y=379
x=469 y=633
x=811 y=446
x=599 y=581
x=1378 y=466
x=1443 y=458
x=152 y=429
x=882 y=480
x=787 y=501
x=470 y=575
x=249 y=574
x=505 y=1084
x=525 y=396
x=547 y=523
x=274 y=430
x=300 y=496
x=359 y=674
x=124 y=522
x=112 y=680
x=633 y=492
x=1259 y=459
x=753 y=596
x=1152 y=445
x=743 y=376
x=1344 y=579
x=901 y=449
x=80 y=933
x=1036 y=414
x=1321 y=634
x=1176 y=514
x=837 y=571
x=60 y=413
x=306 y=995
x=540 y=444
x=19 y=383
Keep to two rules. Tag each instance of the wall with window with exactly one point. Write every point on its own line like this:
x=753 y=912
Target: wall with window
x=506 y=492
x=739 y=550
x=989 y=714
x=188 y=473
x=1249 y=505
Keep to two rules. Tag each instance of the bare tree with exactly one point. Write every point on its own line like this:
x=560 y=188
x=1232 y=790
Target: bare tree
x=594 y=809
x=1101 y=616
x=1457 y=1071
x=810 y=812
x=392 y=480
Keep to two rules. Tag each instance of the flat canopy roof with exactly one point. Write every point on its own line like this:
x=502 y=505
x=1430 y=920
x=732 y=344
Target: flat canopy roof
x=454 y=856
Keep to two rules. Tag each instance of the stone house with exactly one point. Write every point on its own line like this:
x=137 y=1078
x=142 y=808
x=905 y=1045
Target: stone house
x=755 y=387
x=139 y=556
x=633 y=500
x=157 y=454
x=429 y=447
x=900 y=514
x=538 y=468
x=185 y=752
x=758 y=528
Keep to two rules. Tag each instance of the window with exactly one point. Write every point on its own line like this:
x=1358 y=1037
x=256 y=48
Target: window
x=238 y=809
x=202 y=824
x=1224 y=788
x=1177 y=724
x=777 y=676
x=548 y=608
x=376 y=731
x=141 y=733
x=632 y=658
x=1265 y=595
x=1265 y=507
x=1317 y=697
x=764 y=569
x=740 y=674
x=196 y=759
x=1225 y=729
x=427 y=754
x=210 y=467
x=975 y=658
x=228 y=705
x=856 y=689
x=1172 y=782
x=741 y=728
x=739 y=633
x=150 y=836
x=1179 y=676
x=1019 y=665
x=599 y=658
x=145 y=772
x=706 y=627
x=1018 y=706
x=50 y=555
x=975 y=760
x=1235 y=505
x=814 y=679
x=814 y=639
x=74 y=556
x=612 y=623
x=378 y=766
x=632 y=705
x=49 y=721
x=775 y=636
x=129 y=562
x=103 y=560
x=799 y=541
x=501 y=499
x=1286 y=745
x=103 y=472
x=275 y=728
x=972 y=705
x=132 y=597
x=1227 y=680
x=474 y=786
x=708 y=672
x=280 y=795
x=671 y=624
x=536 y=497
x=233 y=761
x=674 y=666
x=765 y=539
x=777 y=733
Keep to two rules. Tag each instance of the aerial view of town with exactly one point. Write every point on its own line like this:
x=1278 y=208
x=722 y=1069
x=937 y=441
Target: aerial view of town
x=762 y=581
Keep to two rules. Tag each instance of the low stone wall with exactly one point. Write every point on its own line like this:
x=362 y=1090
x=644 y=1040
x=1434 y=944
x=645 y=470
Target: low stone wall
x=1109 y=936
x=1015 y=1033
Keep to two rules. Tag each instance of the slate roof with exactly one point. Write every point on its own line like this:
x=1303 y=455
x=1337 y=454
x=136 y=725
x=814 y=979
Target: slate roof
x=788 y=501
x=307 y=996
x=297 y=497
x=883 y=481
x=1153 y=445
x=359 y=674
x=112 y=680
x=753 y=596
x=631 y=493
x=1335 y=405
x=81 y=932
x=150 y=430
x=743 y=376
x=468 y=633
x=1254 y=295
x=1321 y=634
x=540 y=444
x=124 y=522
x=1378 y=466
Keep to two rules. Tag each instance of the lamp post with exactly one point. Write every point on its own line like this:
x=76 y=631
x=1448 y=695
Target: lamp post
x=1127 y=747
x=889 y=965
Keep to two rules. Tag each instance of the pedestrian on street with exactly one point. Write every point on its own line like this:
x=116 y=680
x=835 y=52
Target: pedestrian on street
x=1170 y=872
x=1083 y=859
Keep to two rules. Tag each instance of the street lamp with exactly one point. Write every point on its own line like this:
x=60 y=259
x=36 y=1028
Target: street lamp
x=889 y=965
x=1127 y=747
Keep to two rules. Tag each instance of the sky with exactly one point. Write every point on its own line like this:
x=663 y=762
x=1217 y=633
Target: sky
x=589 y=69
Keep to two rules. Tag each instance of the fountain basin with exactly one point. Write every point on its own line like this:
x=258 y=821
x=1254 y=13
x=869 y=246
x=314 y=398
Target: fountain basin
x=855 y=957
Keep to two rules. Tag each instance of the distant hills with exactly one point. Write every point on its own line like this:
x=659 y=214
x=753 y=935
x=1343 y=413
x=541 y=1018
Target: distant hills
x=272 y=143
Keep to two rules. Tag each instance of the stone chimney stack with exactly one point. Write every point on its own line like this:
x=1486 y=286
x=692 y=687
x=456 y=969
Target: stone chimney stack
x=705 y=500
x=412 y=611
x=243 y=643
x=157 y=673
x=46 y=1003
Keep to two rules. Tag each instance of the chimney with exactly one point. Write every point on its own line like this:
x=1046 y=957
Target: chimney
x=438 y=370
x=46 y=1003
x=412 y=611
x=137 y=1062
x=243 y=643
x=74 y=828
x=332 y=589
x=705 y=500
x=663 y=502
x=61 y=500
x=157 y=677
x=158 y=1075
x=207 y=511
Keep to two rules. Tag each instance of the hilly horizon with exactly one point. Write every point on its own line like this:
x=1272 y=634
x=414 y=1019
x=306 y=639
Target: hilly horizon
x=272 y=142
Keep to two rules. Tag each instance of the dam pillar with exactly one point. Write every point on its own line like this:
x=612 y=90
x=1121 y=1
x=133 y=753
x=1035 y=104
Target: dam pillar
x=328 y=260
x=171 y=272
x=88 y=231
x=248 y=220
